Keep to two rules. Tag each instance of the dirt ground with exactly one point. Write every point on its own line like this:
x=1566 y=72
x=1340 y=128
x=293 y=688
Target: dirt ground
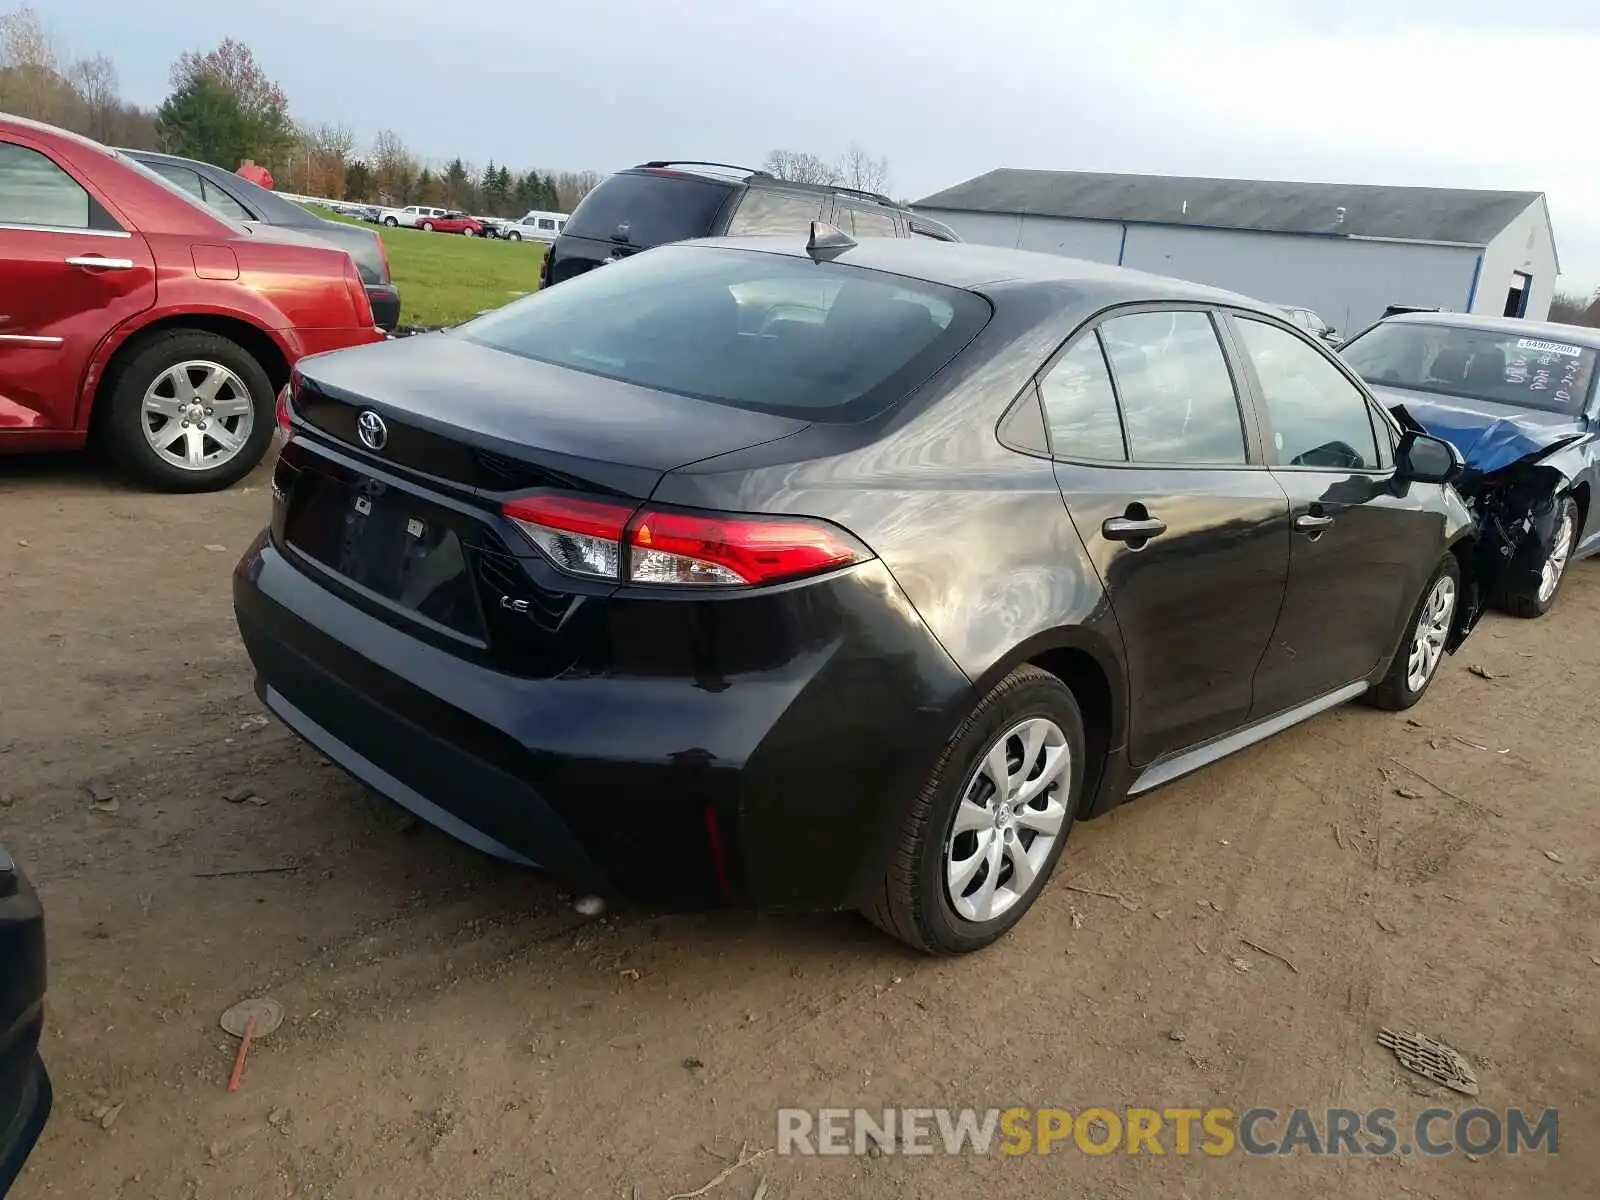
x=455 y=1029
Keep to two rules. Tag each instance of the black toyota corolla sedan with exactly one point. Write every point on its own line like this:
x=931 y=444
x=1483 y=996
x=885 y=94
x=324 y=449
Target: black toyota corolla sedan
x=818 y=574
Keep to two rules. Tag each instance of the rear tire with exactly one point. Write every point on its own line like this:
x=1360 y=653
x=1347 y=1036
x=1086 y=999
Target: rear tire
x=152 y=379
x=1536 y=586
x=427 y=227
x=466 y=233
x=1416 y=662
x=956 y=845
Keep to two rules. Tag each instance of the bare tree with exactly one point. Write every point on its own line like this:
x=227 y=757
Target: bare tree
x=860 y=170
x=800 y=167
x=394 y=168
x=95 y=82
x=30 y=77
x=573 y=186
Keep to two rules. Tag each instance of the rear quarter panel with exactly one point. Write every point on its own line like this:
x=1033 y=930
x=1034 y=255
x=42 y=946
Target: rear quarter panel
x=975 y=534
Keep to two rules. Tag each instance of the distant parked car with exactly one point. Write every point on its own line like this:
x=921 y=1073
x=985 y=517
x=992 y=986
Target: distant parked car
x=178 y=380
x=244 y=201
x=409 y=217
x=493 y=227
x=1313 y=324
x=451 y=222
x=1518 y=399
x=834 y=575
x=25 y=1097
x=660 y=202
x=535 y=226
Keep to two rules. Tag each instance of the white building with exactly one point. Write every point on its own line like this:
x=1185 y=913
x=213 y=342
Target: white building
x=1347 y=251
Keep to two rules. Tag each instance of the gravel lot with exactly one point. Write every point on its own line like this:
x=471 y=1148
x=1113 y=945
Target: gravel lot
x=456 y=1030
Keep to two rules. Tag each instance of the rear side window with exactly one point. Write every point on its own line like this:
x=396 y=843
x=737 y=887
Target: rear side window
x=1319 y=418
x=224 y=203
x=769 y=332
x=870 y=224
x=34 y=191
x=1080 y=407
x=188 y=180
x=1178 y=399
x=762 y=212
x=648 y=209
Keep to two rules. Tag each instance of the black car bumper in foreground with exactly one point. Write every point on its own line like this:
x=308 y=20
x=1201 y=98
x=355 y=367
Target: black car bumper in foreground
x=693 y=764
x=24 y=1085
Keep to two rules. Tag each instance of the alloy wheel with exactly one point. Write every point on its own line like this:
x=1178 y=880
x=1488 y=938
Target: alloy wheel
x=1555 y=565
x=197 y=415
x=1433 y=628
x=1008 y=820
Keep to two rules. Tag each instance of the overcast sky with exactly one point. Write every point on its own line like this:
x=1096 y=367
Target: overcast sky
x=1455 y=93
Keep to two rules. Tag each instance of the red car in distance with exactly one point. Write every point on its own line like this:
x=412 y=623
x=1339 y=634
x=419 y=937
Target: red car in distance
x=452 y=222
x=133 y=314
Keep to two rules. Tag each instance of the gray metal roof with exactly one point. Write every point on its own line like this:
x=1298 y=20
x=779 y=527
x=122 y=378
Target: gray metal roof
x=1405 y=213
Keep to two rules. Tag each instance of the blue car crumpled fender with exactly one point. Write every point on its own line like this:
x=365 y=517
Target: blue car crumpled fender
x=1517 y=470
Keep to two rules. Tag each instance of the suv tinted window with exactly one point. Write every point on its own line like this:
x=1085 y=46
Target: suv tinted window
x=1080 y=408
x=870 y=224
x=655 y=208
x=1319 y=418
x=764 y=211
x=34 y=191
x=1178 y=402
x=768 y=332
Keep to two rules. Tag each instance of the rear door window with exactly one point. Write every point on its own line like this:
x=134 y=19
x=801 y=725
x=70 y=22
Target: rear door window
x=224 y=203
x=1178 y=400
x=34 y=191
x=1080 y=406
x=649 y=209
x=763 y=211
x=770 y=332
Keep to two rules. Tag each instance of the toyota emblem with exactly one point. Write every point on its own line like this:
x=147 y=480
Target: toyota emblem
x=373 y=432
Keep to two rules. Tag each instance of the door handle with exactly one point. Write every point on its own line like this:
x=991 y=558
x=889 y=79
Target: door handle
x=1128 y=529
x=1308 y=523
x=95 y=263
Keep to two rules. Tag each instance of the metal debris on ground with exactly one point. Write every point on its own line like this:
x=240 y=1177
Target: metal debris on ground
x=1430 y=1059
x=1553 y=856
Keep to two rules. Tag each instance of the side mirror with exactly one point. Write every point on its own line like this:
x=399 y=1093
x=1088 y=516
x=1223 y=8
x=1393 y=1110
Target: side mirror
x=1425 y=459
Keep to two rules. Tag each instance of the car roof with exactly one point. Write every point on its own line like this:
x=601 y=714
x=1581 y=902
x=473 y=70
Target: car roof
x=750 y=176
x=990 y=268
x=1577 y=335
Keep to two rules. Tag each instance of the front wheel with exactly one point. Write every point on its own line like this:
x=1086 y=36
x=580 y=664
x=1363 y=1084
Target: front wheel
x=189 y=412
x=513 y=236
x=391 y=222
x=1534 y=586
x=990 y=823
x=1417 y=660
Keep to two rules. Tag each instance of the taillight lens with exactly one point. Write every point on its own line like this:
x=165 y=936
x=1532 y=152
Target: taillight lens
x=605 y=540
x=285 y=420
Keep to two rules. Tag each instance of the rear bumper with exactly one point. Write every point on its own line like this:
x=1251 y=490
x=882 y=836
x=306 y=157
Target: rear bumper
x=24 y=1085
x=779 y=787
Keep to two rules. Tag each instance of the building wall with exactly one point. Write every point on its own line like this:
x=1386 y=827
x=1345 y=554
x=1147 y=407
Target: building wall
x=1348 y=282
x=1526 y=245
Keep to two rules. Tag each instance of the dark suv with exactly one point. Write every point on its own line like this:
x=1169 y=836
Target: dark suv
x=24 y=1086
x=660 y=202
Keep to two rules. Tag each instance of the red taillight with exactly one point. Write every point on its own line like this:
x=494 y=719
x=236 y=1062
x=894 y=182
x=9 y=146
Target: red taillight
x=602 y=539
x=285 y=420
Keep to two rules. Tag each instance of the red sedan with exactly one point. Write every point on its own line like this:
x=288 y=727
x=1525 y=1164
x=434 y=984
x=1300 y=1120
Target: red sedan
x=133 y=312
x=452 y=222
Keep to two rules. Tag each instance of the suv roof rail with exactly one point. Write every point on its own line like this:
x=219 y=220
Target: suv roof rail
x=878 y=196
x=697 y=162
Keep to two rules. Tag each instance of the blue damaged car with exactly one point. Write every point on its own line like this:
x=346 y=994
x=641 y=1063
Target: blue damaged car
x=1517 y=399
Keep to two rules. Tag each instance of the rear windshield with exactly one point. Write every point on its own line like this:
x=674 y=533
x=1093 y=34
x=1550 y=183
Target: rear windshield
x=648 y=210
x=1477 y=364
x=769 y=332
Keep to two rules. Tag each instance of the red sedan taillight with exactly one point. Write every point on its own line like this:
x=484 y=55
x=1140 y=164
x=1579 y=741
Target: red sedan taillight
x=603 y=539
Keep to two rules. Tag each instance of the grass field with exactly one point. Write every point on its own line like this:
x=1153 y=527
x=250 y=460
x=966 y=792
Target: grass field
x=445 y=278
